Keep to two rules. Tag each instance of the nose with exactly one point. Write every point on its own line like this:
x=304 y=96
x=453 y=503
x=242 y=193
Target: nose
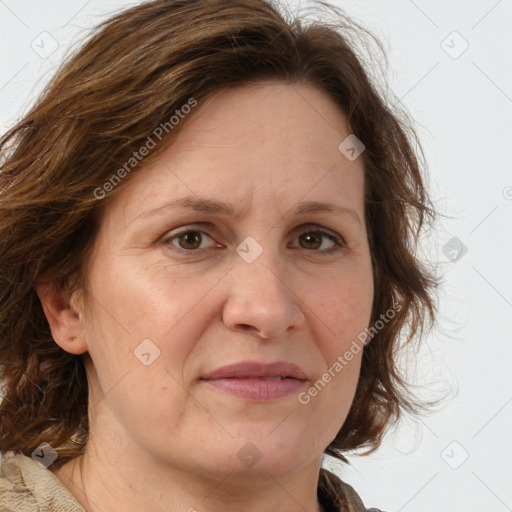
x=262 y=300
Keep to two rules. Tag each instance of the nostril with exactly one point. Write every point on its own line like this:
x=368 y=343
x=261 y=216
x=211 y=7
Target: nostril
x=250 y=328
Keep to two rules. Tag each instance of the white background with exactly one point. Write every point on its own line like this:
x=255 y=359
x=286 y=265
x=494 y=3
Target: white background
x=463 y=112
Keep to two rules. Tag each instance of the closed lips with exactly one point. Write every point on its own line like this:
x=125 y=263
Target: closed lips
x=257 y=370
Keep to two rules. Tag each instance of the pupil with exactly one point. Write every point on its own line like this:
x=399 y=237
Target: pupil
x=191 y=238
x=312 y=238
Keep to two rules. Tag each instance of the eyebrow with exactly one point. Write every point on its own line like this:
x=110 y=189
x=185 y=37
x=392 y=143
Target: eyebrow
x=216 y=207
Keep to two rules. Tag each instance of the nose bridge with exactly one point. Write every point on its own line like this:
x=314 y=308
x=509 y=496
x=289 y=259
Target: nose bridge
x=262 y=274
x=258 y=272
x=260 y=297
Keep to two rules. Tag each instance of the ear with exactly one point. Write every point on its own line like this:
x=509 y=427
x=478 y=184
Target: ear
x=64 y=313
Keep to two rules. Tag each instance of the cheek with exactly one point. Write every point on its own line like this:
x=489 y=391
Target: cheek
x=133 y=305
x=140 y=334
x=153 y=302
x=330 y=397
x=343 y=311
x=344 y=306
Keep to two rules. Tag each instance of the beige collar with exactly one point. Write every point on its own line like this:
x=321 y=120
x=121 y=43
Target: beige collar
x=26 y=486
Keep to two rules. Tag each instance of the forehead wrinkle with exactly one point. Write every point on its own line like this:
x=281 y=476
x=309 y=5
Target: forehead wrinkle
x=199 y=204
x=222 y=208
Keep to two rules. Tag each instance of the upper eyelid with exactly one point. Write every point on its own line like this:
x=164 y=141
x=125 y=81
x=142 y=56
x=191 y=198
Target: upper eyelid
x=198 y=227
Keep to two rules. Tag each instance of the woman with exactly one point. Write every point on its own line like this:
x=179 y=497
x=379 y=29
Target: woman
x=208 y=229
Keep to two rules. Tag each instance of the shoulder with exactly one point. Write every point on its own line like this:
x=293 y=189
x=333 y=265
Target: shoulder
x=337 y=496
x=26 y=486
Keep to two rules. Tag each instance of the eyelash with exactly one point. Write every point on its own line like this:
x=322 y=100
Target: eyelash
x=338 y=241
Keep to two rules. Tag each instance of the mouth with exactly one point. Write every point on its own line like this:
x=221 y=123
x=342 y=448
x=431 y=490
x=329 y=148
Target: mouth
x=257 y=381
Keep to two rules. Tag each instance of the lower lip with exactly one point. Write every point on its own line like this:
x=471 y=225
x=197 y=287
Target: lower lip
x=258 y=389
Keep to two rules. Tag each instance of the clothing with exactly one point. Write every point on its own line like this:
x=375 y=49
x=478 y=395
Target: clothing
x=26 y=486
x=335 y=495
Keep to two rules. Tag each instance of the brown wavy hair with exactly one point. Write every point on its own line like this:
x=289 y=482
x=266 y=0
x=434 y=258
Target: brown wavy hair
x=132 y=74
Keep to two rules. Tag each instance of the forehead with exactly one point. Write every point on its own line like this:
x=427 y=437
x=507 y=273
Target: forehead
x=269 y=142
x=288 y=121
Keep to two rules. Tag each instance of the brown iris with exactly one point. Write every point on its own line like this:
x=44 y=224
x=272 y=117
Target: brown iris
x=313 y=240
x=190 y=239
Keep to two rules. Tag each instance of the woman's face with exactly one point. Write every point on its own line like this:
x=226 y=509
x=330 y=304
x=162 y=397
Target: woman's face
x=181 y=287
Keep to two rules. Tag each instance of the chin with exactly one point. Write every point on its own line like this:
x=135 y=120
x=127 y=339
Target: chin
x=265 y=451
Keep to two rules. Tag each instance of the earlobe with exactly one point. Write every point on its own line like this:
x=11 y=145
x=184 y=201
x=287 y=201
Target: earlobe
x=64 y=315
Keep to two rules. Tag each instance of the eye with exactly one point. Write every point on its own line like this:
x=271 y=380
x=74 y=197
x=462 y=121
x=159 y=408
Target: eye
x=317 y=238
x=192 y=241
x=189 y=241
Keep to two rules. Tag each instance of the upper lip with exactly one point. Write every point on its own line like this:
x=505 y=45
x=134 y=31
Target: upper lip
x=254 y=369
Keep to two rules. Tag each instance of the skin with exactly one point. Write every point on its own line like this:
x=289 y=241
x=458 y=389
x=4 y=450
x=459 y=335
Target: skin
x=160 y=438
